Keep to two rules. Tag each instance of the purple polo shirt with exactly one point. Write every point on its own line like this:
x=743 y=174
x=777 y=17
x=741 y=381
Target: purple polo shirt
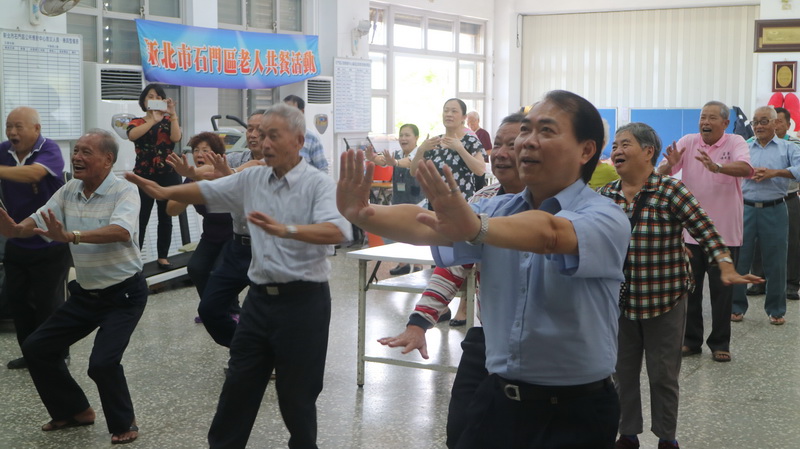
x=217 y=227
x=23 y=199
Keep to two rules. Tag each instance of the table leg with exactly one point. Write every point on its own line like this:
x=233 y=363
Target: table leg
x=362 y=318
x=469 y=296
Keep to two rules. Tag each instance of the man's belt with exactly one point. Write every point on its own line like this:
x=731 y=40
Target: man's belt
x=790 y=195
x=241 y=239
x=101 y=292
x=286 y=288
x=519 y=391
x=763 y=204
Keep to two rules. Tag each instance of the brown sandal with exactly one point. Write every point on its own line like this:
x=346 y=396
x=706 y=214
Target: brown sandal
x=721 y=356
x=737 y=317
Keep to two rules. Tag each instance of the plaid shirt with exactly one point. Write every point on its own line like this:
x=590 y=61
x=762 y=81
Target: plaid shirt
x=658 y=267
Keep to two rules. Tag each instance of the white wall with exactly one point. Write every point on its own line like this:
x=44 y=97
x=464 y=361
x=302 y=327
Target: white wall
x=201 y=102
x=771 y=9
x=572 y=6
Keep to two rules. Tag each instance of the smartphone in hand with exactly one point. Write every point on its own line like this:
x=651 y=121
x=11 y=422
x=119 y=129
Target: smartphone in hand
x=156 y=105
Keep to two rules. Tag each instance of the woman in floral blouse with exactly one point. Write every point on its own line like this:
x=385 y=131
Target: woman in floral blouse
x=461 y=151
x=154 y=137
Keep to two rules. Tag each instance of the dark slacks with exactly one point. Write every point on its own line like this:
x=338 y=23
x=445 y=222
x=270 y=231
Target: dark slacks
x=587 y=421
x=287 y=332
x=721 y=302
x=115 y=311
x=471 y=372
x=164 y=235
x=36 y=281
x=206 y=257
x=222 y=292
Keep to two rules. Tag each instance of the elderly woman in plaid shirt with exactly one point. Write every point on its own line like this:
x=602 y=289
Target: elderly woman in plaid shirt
x=658 y=279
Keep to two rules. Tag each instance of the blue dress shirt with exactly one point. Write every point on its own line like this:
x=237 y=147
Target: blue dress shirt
x=778 y=154
x=551 y=319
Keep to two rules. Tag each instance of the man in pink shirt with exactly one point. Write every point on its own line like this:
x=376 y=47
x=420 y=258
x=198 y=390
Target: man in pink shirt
x=713 y=164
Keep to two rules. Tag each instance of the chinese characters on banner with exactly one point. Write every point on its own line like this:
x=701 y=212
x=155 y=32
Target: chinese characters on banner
x=207 y=57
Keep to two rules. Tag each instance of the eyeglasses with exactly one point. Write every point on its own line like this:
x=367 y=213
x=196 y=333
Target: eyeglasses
x=763 y=122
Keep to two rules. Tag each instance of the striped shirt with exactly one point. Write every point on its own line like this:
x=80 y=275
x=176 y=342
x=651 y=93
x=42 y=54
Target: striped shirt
x=115 y=202
x=302 y=196
x=446 y=282
x=658 y=267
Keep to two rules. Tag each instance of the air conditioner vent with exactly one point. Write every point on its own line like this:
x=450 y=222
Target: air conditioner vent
x=319 y=91
x=120 y=84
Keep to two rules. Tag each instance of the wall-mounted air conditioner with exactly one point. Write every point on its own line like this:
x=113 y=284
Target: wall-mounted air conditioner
x=318 y=94
x=111 y=89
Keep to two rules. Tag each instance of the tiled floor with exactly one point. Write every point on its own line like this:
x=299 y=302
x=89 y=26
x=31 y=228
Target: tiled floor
x=175 y=374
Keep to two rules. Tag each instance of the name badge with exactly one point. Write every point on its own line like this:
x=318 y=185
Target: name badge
x=401 y=187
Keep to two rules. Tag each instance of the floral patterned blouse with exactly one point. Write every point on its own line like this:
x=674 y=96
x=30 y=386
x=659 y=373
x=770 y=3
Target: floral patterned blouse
x=461 y=172
x=152 y=148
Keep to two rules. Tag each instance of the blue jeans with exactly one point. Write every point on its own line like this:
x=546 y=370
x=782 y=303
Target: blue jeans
x=222 y=291
x=769 y=228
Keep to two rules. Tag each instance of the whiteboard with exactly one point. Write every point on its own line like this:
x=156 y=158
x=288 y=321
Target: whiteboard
x=352 y=95
x=43 y=71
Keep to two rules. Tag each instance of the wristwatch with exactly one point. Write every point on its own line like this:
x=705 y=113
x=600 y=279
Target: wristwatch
x=725 y=259
x=76 y=239
x=291 y=230
x=719 y=167
x=483 y=231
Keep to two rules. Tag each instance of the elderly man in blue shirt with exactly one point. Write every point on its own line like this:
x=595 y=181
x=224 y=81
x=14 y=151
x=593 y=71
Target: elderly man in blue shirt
x=552 y=260
x=291 y=216
x=766 y=219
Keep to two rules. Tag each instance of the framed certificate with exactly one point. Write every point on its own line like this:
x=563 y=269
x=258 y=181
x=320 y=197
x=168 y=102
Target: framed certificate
x=777 y=35
x=784 y=76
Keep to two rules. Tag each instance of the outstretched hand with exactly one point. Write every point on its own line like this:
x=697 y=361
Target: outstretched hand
x=732 y=277
x=673 y=155
x=181 y=165
x=8 y=227
x=151 y=188
x=352 y=191
x=267 y=223
x=453 y=219
x=55 y=229
x=412 y=338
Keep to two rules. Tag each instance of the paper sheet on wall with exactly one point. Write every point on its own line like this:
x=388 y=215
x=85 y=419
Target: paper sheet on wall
x=352 y=94
x=43 y=71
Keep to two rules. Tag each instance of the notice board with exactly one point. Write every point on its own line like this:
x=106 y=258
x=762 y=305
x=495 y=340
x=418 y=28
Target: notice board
x=43 y=71
x=352 y=92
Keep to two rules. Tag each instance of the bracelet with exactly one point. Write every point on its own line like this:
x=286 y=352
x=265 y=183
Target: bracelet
x=77 y=237
x=719 y=167
x=235 y=170
x=482 y=232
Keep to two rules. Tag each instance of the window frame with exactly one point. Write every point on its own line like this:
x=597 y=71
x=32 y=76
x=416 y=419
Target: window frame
x=390 y=50
x=276 y=25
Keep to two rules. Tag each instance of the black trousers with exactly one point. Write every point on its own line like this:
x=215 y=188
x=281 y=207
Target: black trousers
x=205 y=258
x=36 y=284
x=721 y=302
x=114 y=312
x=287 y=332
x=471 y=372
x=164 y=236
x=586 y=421
x=221 y=293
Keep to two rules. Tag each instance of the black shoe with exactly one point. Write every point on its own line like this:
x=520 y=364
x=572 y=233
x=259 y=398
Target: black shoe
x=755 y=290
x=445 y=317
x=457 y=323
x=792 y=295
x=164 y=266
x=400 y=269
x=19 y=363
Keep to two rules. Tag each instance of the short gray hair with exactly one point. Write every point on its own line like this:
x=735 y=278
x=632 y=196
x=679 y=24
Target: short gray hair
x=108 y=144
x=294 y=118
x=724 y=111
x=771 y=112
x=645 y=135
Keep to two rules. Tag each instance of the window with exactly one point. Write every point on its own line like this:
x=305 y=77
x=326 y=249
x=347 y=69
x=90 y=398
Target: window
x=242 y=103
x=419 y=60
x=276 y=16
x=108 y=30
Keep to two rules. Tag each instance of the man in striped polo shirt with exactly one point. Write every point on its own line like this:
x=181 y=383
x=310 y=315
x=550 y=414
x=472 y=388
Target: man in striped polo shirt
x=98 y=214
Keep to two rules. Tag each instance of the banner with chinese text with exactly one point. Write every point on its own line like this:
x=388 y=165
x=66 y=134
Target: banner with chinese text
x=208 y=57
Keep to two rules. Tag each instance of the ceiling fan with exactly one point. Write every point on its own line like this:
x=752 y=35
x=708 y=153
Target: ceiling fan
x=48 y=8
